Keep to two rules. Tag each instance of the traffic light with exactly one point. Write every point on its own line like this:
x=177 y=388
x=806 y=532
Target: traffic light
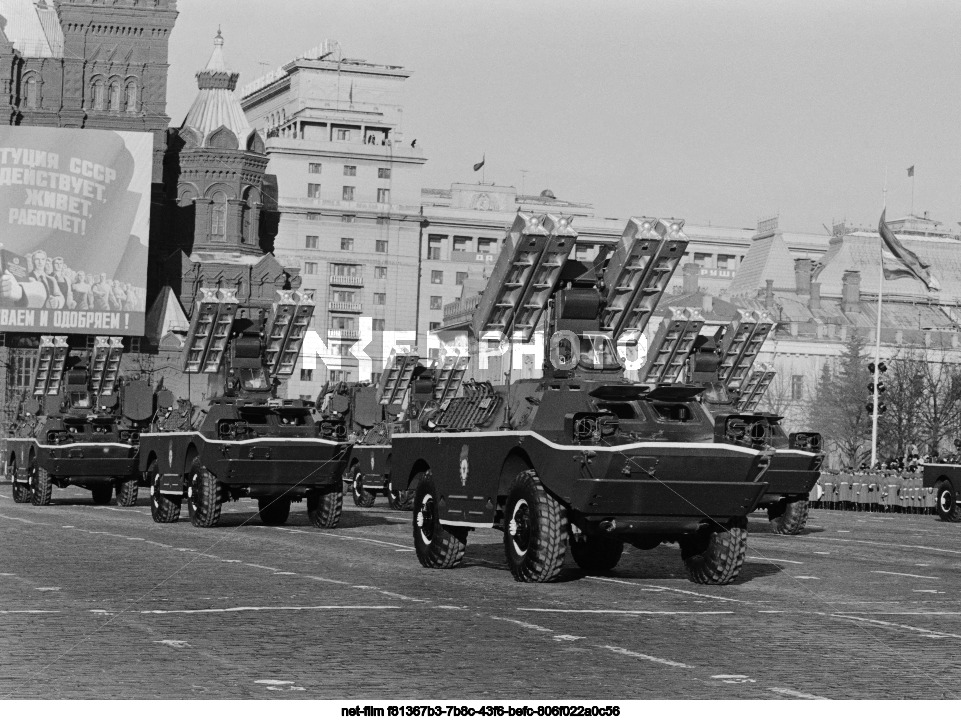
x=881 y=367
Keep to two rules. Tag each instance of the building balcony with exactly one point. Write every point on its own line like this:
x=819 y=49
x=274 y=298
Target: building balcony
x=351 y=280
x=343 y=333
x=461 y=311
x=340 y=307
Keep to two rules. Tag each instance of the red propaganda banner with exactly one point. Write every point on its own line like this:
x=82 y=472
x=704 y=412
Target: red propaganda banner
x=74 y=228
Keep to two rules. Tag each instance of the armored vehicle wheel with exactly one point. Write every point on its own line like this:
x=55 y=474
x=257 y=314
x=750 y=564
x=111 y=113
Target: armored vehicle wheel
x=274 y=510
x=41 y=485
x=714 y=557
x=21 y=491
x=101 y=494
x=398 y=500
x=323 y=509
x=948 y=508
x=204 y=495
x=362 y=498
x=127 y=491
x=788 y=517
x=163 y=509
x=535 y=531
x=437 y=546
x=596 y=553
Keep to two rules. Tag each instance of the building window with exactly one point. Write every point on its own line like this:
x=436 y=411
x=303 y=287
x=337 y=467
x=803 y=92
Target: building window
x=381 y=246
x=347 y=218
x=487 y=246
x=218 y=216
x=313 y=168
x=726 y=261
x=380 y=299
x=350 y=170
x=346 y=243
x=311 y=242
x=345 y=296
x=383 y=173
x=437 y=277
x=460 y=278
x=348 y=192
x=703 y=259
x=131 y=99
x=342 y=269
x=433 y=325
x=313 y=190
x=343 y=134
x=378 y=324
x=797 y=388
x=462 y=244
x=437 y=302
x=342 y=322
x=339 y=376
x=313 y=216
x=383 y=195
x=310 y=268
x=381 y=220
x=115 y=96
x=306 y=374
x=98 y=94
x=433 y=246
x=380 y=272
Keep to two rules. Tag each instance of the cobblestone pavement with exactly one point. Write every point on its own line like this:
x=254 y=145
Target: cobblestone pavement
x=100 y=602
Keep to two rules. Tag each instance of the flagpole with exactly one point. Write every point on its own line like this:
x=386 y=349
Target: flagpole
x=877 y=335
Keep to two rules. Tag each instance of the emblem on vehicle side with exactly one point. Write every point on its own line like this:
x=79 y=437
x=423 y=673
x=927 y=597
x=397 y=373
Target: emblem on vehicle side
x=371 y=461
x=464 y=465
x=170 y=456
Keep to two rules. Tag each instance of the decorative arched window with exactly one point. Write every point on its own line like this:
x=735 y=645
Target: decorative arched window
x=218 y=216
x=31 y=91
x=131 y=96
x=115 y=95
x=98 y=94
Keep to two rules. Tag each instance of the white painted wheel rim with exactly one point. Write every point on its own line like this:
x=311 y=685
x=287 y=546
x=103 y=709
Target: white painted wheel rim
x=512 y=526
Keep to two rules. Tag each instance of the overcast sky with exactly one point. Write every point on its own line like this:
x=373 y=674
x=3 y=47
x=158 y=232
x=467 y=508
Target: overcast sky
x=717 y=112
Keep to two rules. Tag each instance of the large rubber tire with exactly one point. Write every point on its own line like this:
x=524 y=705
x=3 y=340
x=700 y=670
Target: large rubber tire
x=398 y=500
x=41 y=485
x=535 y=531
x=163 y=509
x=788 y=517
x=597 y=553
x=437 y=546
x=205 y=496
x=362 y=498
x=274 y=510
x=21 y=491
x=948 y=508
x=324 y=509
x=101 y=493
x=127 y=492
x=714 y=557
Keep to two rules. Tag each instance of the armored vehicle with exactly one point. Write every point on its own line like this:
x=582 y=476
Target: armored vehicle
x=370 y=412
x=583 y=457
x=724 y=364
x=81 y=426
x=244 y=442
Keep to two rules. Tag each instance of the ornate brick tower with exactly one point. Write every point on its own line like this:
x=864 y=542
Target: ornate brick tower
x=219 y=162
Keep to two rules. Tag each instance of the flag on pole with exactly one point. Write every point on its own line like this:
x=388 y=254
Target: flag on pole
x=478 y=166
x=899 y=262
x=351 y=96
x=911 y=172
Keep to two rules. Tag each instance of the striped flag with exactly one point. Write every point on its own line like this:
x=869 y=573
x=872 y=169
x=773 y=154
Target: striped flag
x=478 y=166
x=899 y=262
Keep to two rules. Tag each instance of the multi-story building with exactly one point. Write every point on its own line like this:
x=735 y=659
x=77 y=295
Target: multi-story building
x=348 y=190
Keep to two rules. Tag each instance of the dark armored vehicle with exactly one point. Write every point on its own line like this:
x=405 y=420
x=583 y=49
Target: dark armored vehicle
x=945 y=478
x=370 y=412
x=244 y=442
x=81 y=427
x=583 y=457
x=723 y=363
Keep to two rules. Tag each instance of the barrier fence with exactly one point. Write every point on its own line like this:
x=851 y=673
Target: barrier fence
x=877 y=492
